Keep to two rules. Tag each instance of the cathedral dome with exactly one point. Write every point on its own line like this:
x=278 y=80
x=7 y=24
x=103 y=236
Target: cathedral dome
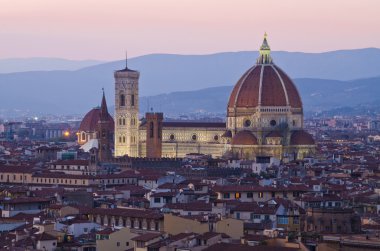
x=244 y=138
x=91 y=119
x=301 y=137
x=264 y=84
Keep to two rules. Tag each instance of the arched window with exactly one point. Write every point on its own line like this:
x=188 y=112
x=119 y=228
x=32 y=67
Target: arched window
x=123 y=121
x=120 y=121
x=122 y=100
x=83 y=136
x=151 y=129
x=119 y=139
x=123 y=139
x=132 y=100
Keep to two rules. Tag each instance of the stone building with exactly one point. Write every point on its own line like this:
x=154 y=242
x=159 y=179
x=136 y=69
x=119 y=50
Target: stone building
x=264 y=118
x=332 y=220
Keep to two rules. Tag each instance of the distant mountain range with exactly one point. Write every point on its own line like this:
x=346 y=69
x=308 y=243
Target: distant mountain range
x=43 y=64
x=325 y=80
x=317 y=95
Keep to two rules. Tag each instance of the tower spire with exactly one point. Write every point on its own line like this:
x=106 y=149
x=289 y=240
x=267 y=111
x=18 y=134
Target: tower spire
x=264 y=57
x=103 y=107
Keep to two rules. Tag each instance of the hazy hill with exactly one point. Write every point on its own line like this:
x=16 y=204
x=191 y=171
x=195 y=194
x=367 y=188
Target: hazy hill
x=78 y=91
x=10 y=65
x=317 y=94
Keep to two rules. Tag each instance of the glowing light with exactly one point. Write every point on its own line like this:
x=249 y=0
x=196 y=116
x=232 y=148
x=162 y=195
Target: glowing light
x=36 y=118
x=66 y=133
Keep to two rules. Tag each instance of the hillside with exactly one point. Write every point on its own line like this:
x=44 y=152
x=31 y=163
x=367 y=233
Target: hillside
x=68 y=92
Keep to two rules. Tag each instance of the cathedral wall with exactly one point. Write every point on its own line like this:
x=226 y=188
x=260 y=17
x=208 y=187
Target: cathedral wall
x=179 y=141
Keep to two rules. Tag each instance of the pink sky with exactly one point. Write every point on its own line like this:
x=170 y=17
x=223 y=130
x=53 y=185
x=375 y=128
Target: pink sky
x=104 y=29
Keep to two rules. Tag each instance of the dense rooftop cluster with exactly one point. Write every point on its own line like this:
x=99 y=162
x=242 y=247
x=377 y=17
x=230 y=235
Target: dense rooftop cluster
x=55 y=196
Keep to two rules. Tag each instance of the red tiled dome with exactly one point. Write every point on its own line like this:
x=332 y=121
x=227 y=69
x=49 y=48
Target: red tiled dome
x=301 y=138
x=265 y=85
x=91 y=119
x=244 y=138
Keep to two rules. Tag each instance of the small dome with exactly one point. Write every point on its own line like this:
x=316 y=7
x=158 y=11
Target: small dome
x=244 y=138
x=91 y=119
x=301 y=138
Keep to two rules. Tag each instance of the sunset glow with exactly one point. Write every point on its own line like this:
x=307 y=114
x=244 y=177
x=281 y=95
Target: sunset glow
x=105 y=29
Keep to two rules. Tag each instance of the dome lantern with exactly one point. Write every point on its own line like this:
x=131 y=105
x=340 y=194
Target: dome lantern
x=264 y=57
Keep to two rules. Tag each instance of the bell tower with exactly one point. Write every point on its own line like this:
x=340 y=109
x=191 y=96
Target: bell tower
x=126 y=111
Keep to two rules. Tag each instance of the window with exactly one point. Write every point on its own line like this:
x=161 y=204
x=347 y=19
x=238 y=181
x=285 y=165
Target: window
x=273 y=122
x=151 y=129
x=237 y=195
x=83 y=136
x=118 y=244
x=194 y=137
x=247 y=123
x=157 y=200
x=123 y=139
x=123 y=121
x=261 y=194
x=266 y=217
x=250 y=195
x=226 y=196
x=238 y=216
x=256 y=216
x=140 y=244
x=216 y=137
x=119 y=139
x=120 y=121
x=171 y=137
x=85 y=230
x=127 y=243
x=296 y=220
x=285 y=194
x=273 y=194
x=284 y=220
x=132 y=100
x=122 y=100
